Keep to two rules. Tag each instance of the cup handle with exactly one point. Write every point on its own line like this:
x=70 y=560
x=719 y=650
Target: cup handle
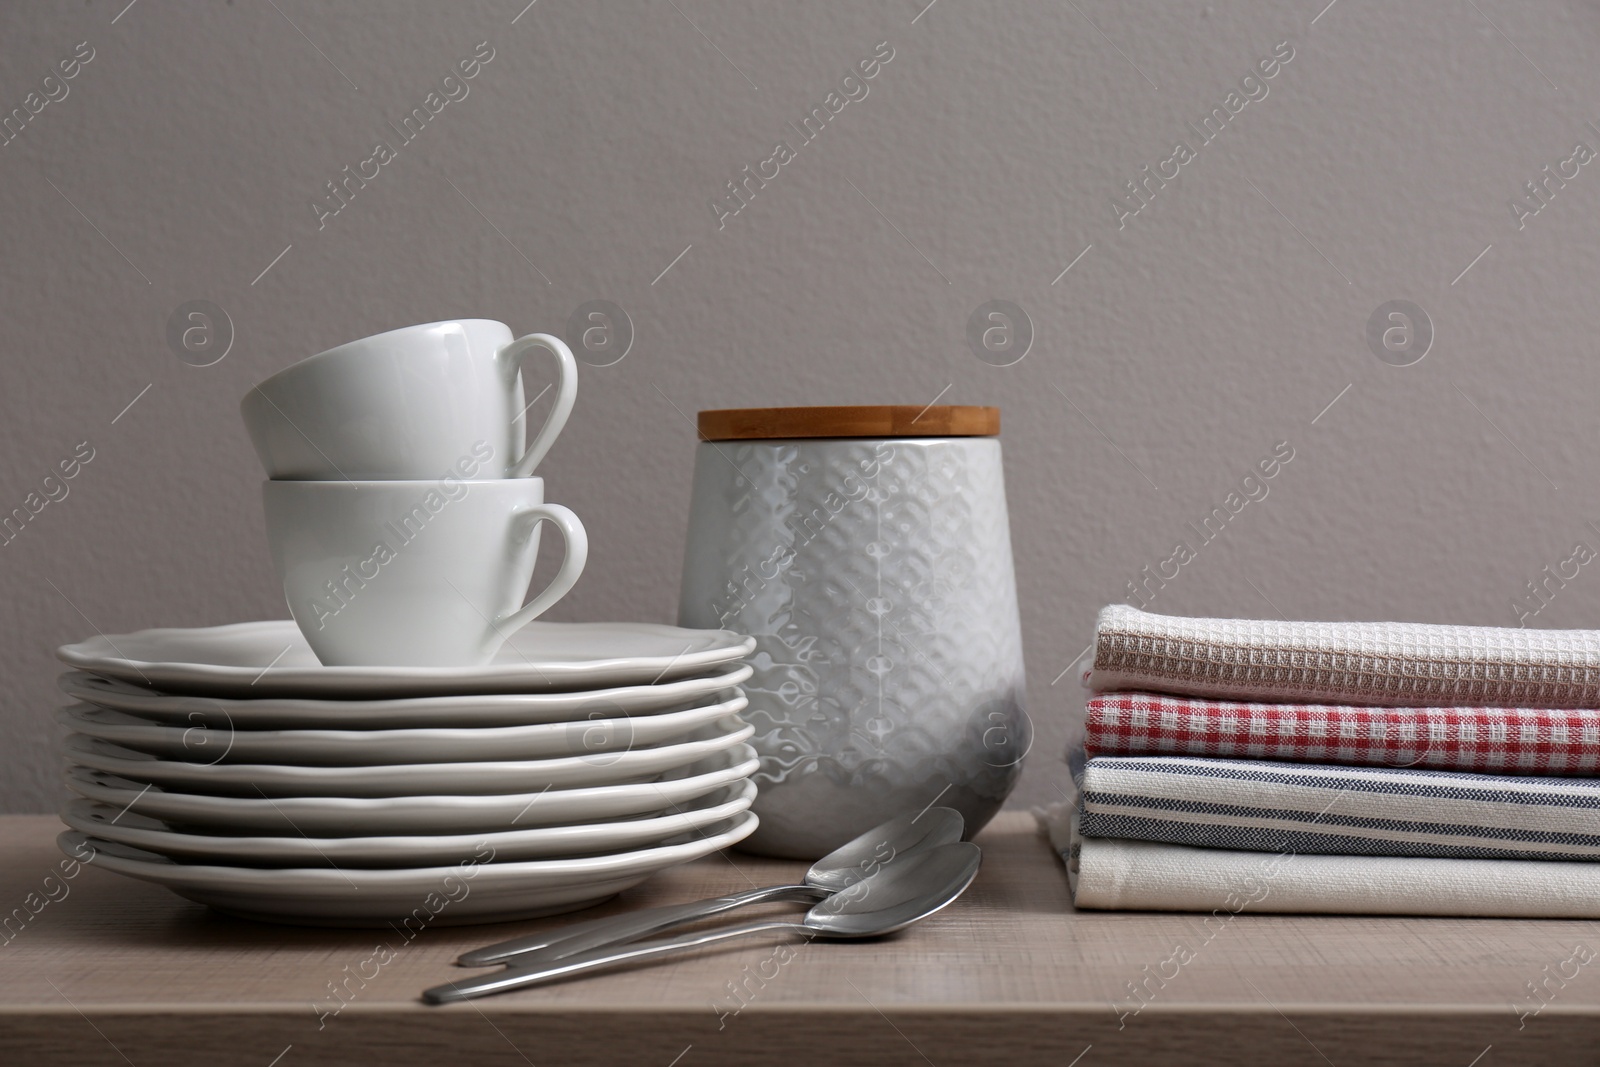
x=577 y=540
x=566 y=392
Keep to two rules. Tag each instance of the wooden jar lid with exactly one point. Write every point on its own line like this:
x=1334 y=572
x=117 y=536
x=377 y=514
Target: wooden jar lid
x=870 y=420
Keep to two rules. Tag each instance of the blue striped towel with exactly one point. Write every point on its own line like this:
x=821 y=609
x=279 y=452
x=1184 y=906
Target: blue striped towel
x=1261 y=806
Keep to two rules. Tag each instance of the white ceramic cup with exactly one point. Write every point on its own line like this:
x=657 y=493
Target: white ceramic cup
x=408 y=404
x=414 y=573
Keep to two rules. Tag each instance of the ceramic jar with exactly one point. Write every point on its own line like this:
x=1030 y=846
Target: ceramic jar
x=868 y=552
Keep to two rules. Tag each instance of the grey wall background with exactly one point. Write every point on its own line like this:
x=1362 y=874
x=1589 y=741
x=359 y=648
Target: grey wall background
x=1224 y=317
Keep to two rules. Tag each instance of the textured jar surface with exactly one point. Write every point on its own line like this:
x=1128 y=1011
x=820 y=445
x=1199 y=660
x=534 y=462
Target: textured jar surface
x=876 y=577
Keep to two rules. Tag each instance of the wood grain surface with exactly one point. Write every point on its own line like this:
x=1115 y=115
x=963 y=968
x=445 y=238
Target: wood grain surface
x=868 y=420
x=117 y=971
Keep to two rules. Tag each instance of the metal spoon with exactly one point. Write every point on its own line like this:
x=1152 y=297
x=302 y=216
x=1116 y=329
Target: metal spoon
x=893 y=898
x=839 y=869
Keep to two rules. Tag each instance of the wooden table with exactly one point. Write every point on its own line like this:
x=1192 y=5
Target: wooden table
x=118 y=971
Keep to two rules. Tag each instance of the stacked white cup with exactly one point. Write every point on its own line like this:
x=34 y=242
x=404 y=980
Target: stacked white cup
x=402 y=510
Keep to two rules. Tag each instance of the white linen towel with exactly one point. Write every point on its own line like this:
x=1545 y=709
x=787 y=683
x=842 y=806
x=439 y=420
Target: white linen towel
x=1115 y=874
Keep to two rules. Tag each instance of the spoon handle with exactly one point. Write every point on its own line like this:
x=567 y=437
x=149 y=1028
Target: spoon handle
x=547 y=946
x=520 y=977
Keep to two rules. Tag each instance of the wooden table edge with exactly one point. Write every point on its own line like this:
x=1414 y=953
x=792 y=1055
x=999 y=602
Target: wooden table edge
x=843 y=1009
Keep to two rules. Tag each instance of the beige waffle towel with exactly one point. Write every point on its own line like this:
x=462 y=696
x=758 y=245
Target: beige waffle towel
x=1400 y=664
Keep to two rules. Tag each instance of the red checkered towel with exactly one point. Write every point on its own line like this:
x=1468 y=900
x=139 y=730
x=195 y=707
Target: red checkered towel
x=1534 y=741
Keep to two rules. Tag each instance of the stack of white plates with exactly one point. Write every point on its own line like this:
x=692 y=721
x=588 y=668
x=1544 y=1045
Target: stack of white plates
x=227 y=764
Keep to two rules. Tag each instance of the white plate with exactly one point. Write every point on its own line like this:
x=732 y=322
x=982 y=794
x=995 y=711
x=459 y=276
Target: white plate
x=398 y=780
x=362 y=816
x=427 y=896
x=406 y=850
x=487 y=709
x=262 y=659
x=345 y=748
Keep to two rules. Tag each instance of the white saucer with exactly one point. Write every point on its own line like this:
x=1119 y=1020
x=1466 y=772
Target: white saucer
x=410 y=850
x=264 y=659
x=363 y=816
x=427 y=896
x=399 y=780
x=487 y=709
x=344 y=748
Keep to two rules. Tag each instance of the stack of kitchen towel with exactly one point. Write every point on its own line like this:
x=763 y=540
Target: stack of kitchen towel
x=1355 y=768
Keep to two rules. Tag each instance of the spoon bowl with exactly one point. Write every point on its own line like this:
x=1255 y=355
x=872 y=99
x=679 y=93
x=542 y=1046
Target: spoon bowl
x=893 y=841
x=861 y=856
x=897 y=896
